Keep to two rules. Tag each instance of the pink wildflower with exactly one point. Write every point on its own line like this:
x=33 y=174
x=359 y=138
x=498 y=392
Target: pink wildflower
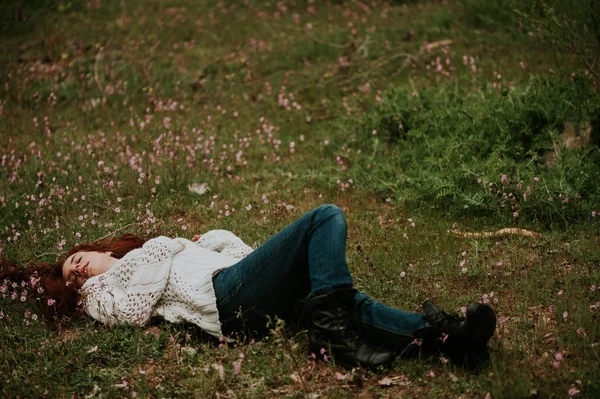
x=237 y=367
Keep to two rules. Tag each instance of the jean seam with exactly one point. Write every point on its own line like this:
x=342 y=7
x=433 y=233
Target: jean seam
x=233 y=292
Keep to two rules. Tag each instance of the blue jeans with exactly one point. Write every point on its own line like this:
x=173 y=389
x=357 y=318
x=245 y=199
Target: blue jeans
x=306 y=258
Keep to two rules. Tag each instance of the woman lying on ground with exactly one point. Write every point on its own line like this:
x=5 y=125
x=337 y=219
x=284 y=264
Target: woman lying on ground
x=226 y=288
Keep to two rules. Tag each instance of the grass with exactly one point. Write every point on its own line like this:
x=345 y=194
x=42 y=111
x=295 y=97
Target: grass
x=110 y=109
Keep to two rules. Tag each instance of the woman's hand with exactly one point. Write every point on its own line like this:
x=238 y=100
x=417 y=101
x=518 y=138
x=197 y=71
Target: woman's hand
x=196 y=237
x=180 y=242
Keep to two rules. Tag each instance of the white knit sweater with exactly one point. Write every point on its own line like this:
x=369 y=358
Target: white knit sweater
x=167 y=277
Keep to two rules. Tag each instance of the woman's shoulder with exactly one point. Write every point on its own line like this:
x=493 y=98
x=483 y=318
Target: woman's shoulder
x=164 y=240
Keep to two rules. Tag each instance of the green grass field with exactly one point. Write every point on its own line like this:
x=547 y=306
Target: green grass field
x=415 y=118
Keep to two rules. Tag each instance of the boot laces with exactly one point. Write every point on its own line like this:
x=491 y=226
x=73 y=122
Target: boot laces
x=348 y=328
x=448 y=322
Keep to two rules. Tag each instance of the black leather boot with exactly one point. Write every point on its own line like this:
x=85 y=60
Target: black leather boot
x=464 y=340
x=333 y=329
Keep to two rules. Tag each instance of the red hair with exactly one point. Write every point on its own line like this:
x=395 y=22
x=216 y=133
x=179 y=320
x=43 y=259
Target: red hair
x=58 y=297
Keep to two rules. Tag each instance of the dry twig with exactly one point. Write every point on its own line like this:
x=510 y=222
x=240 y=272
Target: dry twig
x=497 y=233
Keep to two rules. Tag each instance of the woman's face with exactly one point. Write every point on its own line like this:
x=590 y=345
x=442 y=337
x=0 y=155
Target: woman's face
x=82 y=265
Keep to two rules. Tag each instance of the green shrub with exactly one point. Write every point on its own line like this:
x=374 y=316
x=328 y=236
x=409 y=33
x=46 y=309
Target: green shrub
x=494 y=152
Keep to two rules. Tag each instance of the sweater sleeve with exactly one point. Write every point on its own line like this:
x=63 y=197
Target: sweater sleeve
x=225 y=242
x=128 y=293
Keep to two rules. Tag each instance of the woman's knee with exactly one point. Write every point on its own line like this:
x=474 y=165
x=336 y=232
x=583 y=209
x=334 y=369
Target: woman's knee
x=330 y=213
x=329 y=210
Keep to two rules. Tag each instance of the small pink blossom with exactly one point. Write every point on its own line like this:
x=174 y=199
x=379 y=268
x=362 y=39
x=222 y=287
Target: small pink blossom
x=33 y=281
x=237 y=367
x=573 y=391
x=565 y=315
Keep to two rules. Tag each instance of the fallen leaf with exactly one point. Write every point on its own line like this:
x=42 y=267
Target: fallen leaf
x=342 y=377
x=95 y=391
x=198 y=188
x=452 y=377
x=94 y=349
x=387 y=381
x=399 y=380
x=188 y=350
x=296 y=378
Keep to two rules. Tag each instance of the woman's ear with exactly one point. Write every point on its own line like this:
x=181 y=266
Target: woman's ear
x=109 y=253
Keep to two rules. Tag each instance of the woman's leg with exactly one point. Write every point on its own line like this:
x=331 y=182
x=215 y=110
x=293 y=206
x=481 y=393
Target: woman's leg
x=307 y=257
x=383 y=325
